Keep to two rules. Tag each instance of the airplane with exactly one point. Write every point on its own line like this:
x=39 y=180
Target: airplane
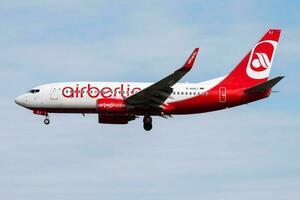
x=121 y=102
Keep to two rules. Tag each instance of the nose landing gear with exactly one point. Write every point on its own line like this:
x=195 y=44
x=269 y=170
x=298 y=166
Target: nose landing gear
x=147 y=122
x=43 y=113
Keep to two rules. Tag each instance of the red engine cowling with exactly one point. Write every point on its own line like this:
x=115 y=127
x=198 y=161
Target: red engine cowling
x=115 y=119
x=113 y=111
x=111 y=106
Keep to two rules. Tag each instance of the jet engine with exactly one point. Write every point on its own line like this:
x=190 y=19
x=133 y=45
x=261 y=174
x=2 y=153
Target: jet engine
x=113 y=111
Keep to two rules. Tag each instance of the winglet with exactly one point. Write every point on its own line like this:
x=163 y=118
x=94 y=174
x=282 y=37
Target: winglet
x=190 y=61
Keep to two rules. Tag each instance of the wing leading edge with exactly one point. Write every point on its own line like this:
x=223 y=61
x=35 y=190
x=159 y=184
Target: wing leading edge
x=156 y=94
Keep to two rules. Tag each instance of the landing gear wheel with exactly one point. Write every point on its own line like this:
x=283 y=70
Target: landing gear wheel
x=46 y=121
x=148 y=127
x=147 y=122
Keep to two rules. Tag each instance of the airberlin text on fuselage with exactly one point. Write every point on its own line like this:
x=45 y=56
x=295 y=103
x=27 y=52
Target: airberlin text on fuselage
x=96 y=92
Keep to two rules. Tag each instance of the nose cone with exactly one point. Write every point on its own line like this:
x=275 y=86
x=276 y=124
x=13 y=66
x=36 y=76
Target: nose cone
x=20 y=100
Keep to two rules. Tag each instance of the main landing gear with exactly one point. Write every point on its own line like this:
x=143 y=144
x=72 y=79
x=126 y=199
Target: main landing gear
x=147 y=122
x=47 y=121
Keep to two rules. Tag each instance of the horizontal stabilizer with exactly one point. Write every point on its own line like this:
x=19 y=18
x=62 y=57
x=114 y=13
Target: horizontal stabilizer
x=265 y=86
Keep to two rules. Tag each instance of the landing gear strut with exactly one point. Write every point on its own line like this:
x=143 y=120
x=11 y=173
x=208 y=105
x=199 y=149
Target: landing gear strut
x=147 y=122
x=47 y=121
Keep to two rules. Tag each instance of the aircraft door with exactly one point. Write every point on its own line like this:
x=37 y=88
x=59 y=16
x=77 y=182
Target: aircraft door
x=222 y=94
x=54 y=93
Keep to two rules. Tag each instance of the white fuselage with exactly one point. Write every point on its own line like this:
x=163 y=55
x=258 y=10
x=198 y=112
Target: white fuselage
x=83 y=95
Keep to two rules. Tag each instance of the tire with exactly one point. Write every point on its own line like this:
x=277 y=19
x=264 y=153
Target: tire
x=46 y=121
x=148 y=127
x=147 y=120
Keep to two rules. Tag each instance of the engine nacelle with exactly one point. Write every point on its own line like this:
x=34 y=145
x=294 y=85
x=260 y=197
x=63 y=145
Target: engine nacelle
x=115 y=119
x=113 y=111
x=111 y=106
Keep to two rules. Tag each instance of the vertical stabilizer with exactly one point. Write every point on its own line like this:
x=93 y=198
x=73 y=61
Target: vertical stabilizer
x=255 y=67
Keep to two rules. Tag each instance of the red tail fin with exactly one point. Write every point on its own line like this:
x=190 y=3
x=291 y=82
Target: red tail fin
x=256 y=65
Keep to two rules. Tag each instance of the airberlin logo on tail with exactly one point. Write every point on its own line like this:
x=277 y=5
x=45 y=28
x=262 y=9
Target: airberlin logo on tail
x=260 y=60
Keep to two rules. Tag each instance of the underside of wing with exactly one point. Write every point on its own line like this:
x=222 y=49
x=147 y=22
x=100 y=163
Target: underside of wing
x=154 y=96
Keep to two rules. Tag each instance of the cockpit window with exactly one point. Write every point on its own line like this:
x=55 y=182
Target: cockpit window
x=33 y=91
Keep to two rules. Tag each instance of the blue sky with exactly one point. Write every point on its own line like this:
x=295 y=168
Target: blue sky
x=243 y=153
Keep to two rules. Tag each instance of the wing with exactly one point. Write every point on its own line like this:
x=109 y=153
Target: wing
x=156 y=94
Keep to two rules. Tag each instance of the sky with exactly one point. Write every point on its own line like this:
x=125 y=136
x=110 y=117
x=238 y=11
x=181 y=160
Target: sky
x=247 y=152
